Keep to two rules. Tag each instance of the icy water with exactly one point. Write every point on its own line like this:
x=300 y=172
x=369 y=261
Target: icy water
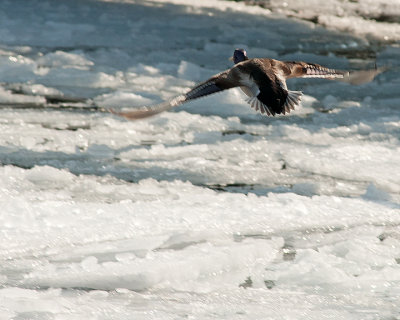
x=210 y=211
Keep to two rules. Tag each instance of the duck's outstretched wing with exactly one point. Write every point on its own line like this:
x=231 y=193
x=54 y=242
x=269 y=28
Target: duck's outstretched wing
x=300 y=69
x=216 y=83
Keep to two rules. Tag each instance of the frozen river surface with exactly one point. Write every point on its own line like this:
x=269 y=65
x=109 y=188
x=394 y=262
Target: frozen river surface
x=210 y=211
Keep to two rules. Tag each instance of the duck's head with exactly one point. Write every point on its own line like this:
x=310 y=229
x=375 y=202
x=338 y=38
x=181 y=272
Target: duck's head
x=239 y=55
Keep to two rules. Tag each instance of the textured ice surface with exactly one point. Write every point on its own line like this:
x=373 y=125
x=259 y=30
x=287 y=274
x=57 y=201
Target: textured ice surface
x=210 y=211
x=374 y=19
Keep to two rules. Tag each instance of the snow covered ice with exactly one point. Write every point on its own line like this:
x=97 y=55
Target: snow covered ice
x=210 y=211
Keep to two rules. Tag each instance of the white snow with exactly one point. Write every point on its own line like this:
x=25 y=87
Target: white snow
x=209 y=211
x=379 y=19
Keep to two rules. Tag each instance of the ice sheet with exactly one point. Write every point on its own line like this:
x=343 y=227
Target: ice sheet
x=210 y=211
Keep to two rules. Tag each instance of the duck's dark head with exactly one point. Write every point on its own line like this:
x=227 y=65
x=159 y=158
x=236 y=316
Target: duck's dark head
x=239 y=55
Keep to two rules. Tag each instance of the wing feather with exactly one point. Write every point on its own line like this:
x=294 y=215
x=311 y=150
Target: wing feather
x=217 y=83
x=300 y=69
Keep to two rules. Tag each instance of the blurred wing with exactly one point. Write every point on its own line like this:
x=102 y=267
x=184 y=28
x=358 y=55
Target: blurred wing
x=363 y=76
x=215 y=84
x=145 y=112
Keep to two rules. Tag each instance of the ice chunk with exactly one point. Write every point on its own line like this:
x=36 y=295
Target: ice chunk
x=7 y=97
x=307 y=189
x=39 y=89
x=122 y=99
x=189 y=71
x=46 y=176
x=81 y=78
x=64 y=59
x=330 y=102
x=89 y=264
x=100 y=151
x=375 y=193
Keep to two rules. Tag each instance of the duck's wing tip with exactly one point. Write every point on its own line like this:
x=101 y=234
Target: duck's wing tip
x=136 y=114
x=364 y=76
x=145 y=112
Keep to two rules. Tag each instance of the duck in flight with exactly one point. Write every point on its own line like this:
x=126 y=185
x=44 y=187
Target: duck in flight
x=262 y=80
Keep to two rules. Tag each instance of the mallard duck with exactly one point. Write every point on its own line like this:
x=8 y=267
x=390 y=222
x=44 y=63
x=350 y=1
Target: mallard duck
x=263 y=80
